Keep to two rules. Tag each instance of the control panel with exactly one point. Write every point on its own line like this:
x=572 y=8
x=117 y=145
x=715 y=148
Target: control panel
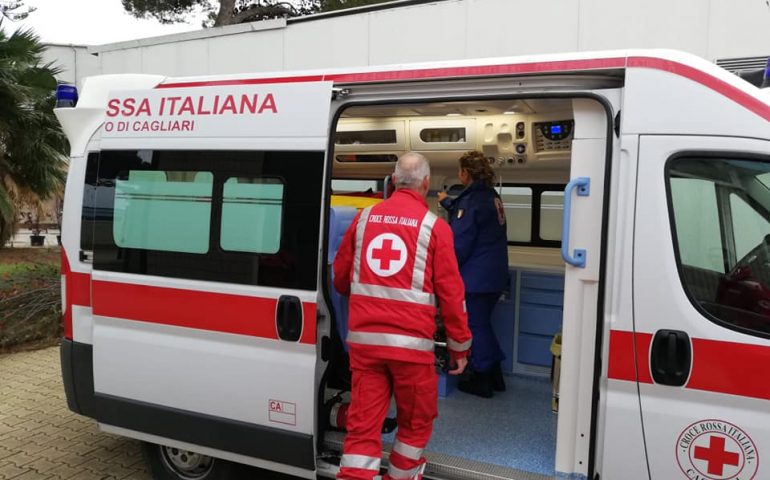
x=553 y=136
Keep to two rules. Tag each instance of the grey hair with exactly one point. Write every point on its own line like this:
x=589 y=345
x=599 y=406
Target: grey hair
x=411 y=168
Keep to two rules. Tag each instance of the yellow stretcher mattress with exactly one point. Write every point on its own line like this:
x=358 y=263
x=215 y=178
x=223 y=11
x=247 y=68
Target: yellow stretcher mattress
x=353 y=201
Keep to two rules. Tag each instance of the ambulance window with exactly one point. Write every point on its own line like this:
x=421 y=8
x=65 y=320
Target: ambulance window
x=697 y=223
x=749 y=226
x=90 y=209
x=551 y=208
x=342 y=186
x=721 y=218
x=517 y=202
x=365 y=137
x=252 y=212
x=166 y=211
x=240 y=217
x=442 y=135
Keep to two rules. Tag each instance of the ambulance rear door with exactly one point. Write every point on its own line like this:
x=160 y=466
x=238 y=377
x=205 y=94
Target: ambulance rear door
x=205 y=271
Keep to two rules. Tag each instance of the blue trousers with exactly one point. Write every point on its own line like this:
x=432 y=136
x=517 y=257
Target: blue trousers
x=485 y=350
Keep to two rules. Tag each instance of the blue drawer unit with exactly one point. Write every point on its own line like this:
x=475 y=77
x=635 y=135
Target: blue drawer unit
x=534 y=350
x=541 y=302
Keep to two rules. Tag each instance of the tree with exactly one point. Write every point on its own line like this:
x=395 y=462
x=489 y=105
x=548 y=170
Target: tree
x=230 y=12
x=32 y=146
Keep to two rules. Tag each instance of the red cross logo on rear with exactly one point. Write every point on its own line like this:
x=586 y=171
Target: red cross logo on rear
x=386 y=254
x=716 y=455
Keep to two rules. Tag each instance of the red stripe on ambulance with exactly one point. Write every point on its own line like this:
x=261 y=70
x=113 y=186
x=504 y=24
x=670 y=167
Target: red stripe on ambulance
x=77 y=291
x=217 y=312
x=705 y=79
x=728 y=367
x=623 y=363
x=479 y=71
x=717 y=366
x=735 y=94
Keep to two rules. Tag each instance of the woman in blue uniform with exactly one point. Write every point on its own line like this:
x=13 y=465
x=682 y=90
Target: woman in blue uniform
x=477 y=219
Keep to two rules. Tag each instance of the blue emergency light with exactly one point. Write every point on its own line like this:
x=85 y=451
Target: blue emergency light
x=66 y=95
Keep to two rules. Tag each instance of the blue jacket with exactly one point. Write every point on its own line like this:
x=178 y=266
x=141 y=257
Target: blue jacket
x=477 y=219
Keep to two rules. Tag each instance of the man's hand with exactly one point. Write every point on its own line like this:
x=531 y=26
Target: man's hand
x=441 y=196
x=459 y=365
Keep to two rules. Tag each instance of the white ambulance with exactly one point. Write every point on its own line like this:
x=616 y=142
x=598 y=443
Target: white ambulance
x=202 y=215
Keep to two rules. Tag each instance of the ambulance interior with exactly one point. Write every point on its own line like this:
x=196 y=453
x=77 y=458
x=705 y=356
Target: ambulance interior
x=528 y=142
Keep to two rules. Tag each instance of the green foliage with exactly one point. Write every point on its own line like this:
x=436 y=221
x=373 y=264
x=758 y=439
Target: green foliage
x=329 y=5
x=32 y=146
x=227 y=12
x=165 y=11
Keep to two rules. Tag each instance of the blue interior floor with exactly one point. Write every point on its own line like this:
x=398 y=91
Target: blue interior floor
x=515 y=428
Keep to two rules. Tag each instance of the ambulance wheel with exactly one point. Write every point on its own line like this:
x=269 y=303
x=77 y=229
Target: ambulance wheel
x=170 y=463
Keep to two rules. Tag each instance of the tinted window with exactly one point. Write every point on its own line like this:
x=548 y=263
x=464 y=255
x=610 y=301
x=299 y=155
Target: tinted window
x=517 y=202
x=239 y=217
x=252 y=210
x=534 y=214
x=551 y=210
x=89 y=209
x=163 y=210
x=364 y=137
x=721 y=219
x=343 y=186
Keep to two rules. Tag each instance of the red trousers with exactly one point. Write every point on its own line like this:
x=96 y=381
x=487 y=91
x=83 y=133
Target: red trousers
x=415 y=387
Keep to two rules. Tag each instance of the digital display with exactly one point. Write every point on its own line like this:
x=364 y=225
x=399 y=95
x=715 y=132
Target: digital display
x=555 y=129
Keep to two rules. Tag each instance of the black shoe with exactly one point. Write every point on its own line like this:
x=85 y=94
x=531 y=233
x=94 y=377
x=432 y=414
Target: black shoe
x=389 y=425
x=479 y=383
x=498 y=382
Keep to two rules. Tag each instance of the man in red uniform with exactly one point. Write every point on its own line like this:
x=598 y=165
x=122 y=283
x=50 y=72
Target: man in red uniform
x=395 y=262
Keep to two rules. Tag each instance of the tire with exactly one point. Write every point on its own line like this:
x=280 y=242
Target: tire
x=169 y=463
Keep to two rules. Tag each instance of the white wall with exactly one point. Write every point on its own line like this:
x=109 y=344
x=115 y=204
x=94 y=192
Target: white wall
x=74 y=61
x=451 y=29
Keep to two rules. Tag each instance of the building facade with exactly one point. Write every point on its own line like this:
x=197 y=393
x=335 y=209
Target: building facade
x=732 y=33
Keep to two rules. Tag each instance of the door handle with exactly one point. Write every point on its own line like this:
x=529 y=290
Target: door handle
x=583 y=185
x=288 y=318
x=671 y=357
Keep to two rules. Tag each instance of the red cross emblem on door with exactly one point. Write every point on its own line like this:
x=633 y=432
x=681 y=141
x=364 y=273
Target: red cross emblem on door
x=386 y=254
x=716 y=455
x=716 y=449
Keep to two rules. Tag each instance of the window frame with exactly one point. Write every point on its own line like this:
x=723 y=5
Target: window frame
x=707 y=154
x=280 y=181
x=108 y=256
x=209 y=219
x=537 y=193
x=379 y=181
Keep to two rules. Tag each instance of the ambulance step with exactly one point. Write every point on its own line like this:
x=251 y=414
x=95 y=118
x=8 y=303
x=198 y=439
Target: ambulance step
x=440 y=466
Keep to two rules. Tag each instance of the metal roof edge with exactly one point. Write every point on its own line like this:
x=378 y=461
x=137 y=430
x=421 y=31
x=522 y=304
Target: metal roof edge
x=273 y=24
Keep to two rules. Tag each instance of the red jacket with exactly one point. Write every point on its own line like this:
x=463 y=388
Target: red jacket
x=396 y=259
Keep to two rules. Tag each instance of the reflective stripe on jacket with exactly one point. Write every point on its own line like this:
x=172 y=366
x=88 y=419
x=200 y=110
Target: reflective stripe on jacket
x=396 y=262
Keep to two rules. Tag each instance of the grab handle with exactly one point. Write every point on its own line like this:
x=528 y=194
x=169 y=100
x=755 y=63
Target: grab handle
x=583 y=185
